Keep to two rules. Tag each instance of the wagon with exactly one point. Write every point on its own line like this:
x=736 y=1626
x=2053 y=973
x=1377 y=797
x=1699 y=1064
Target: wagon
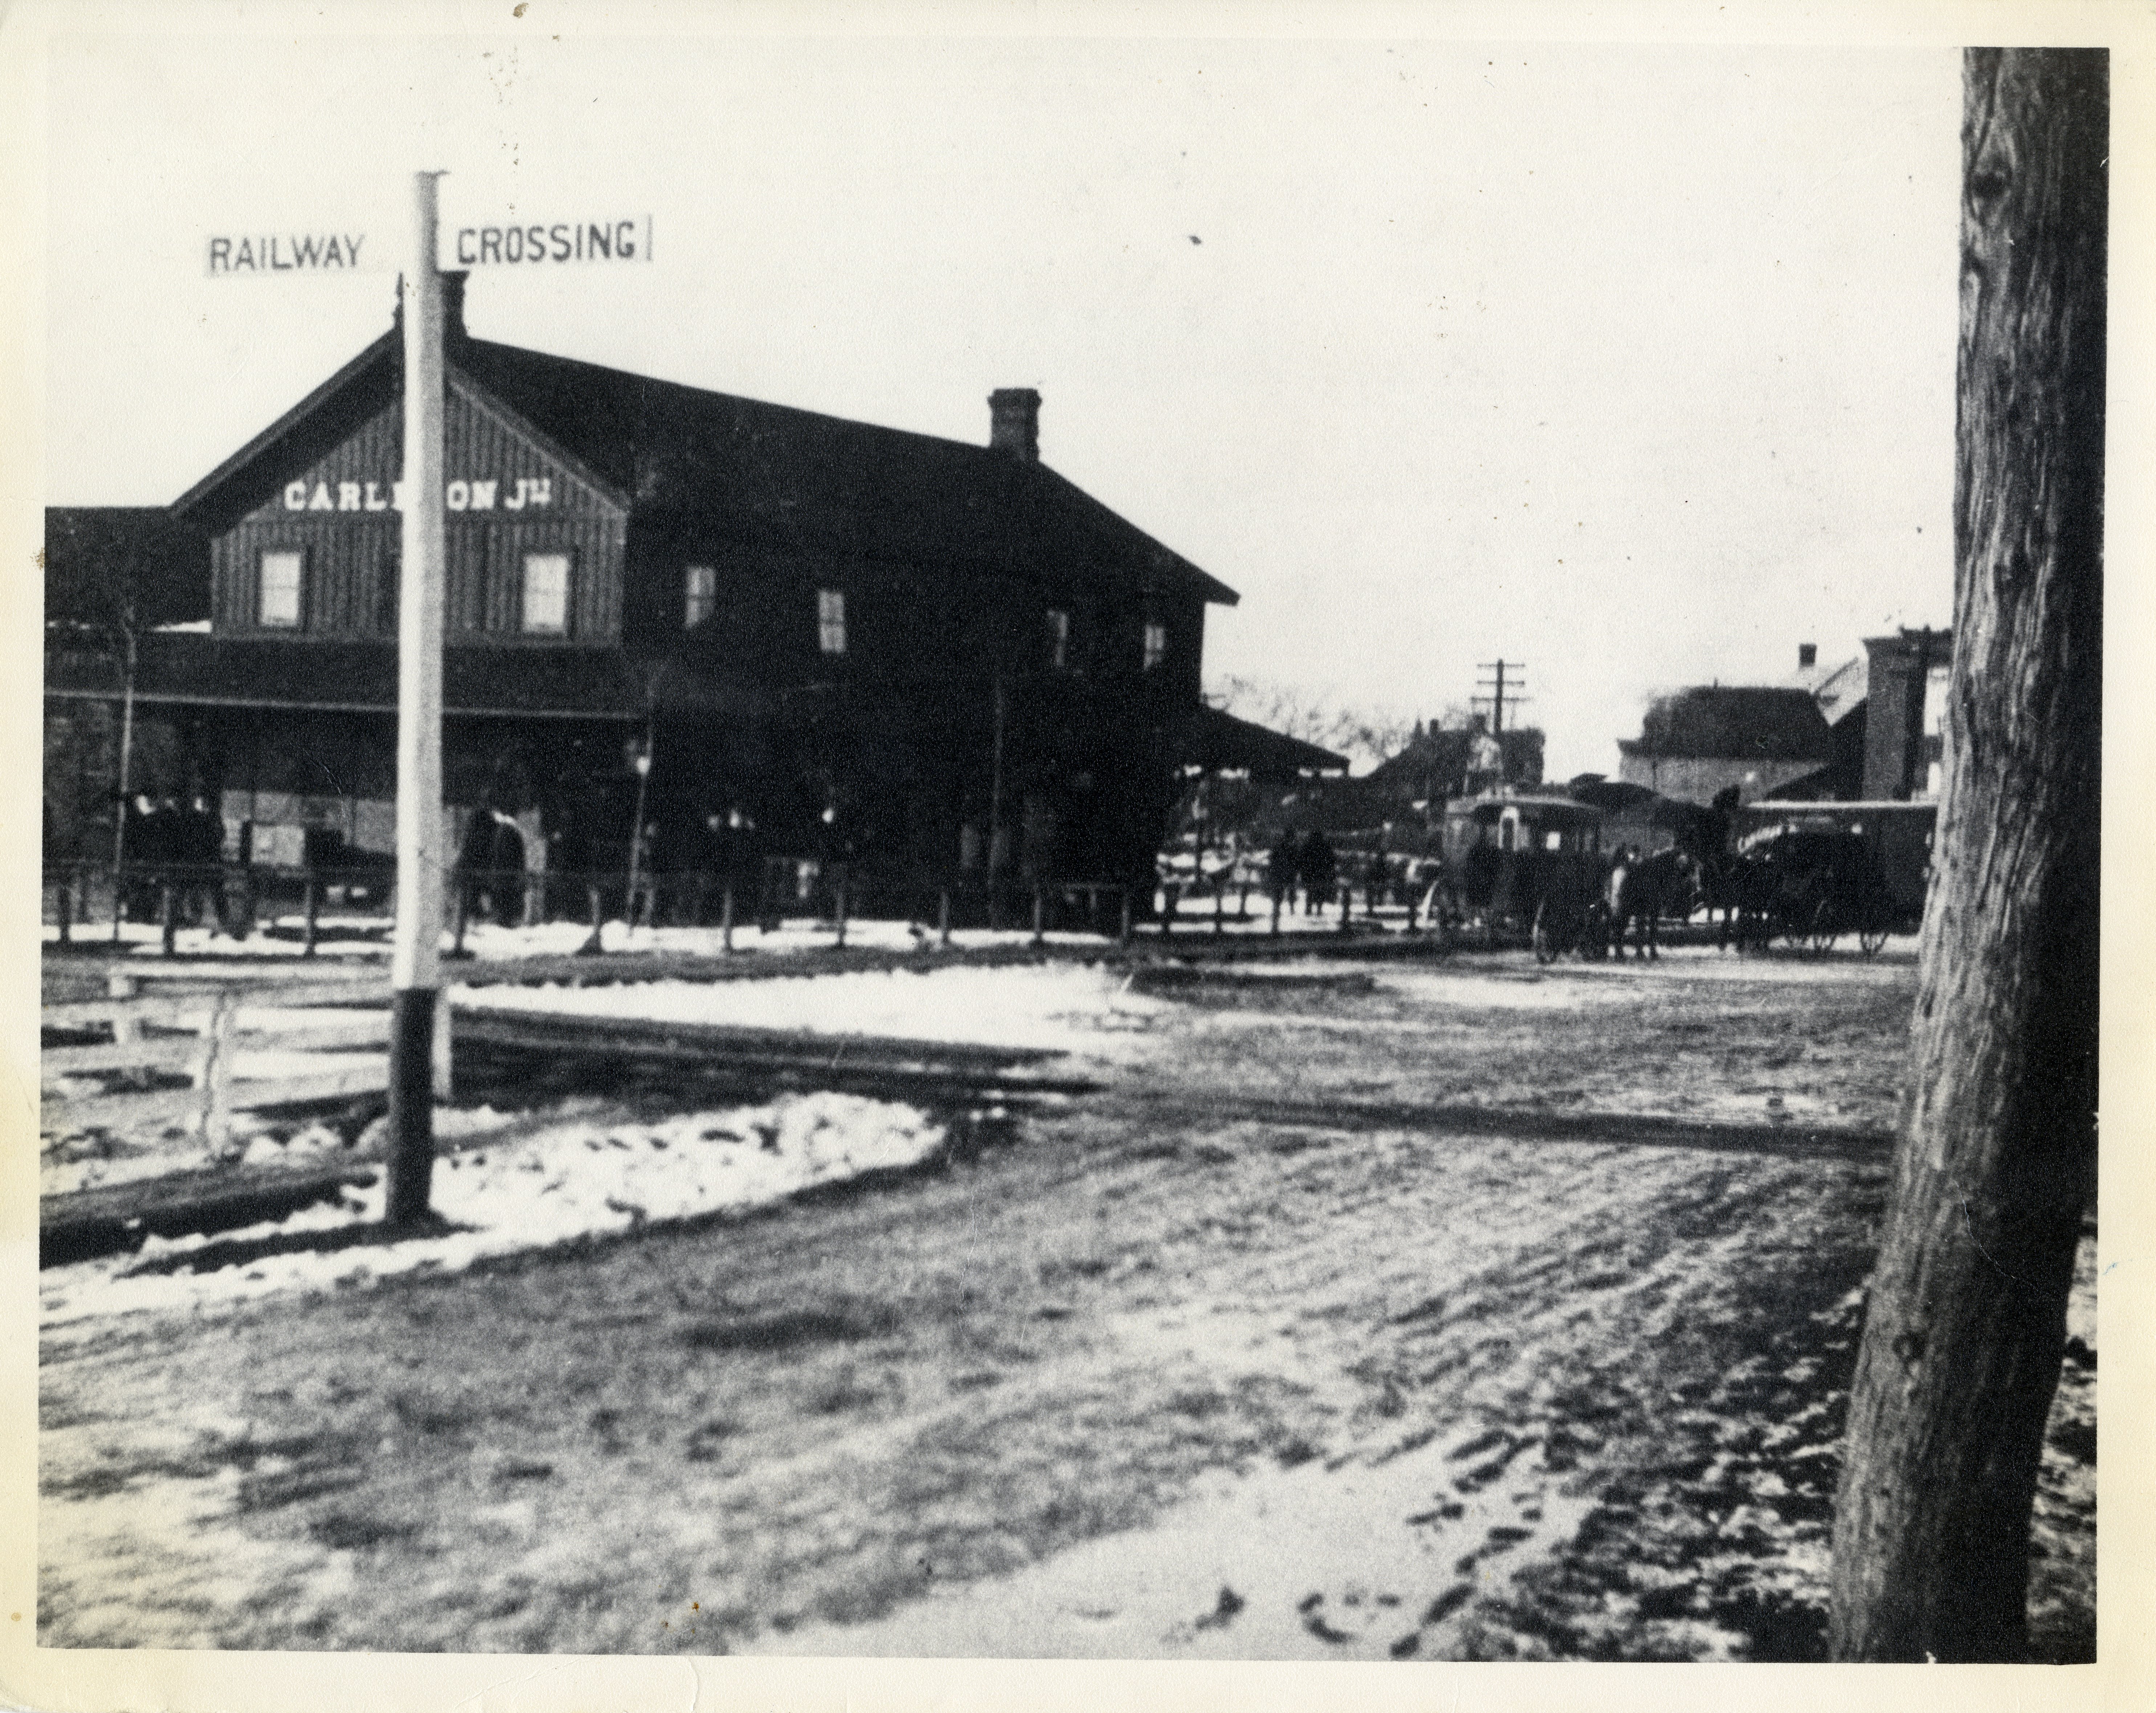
x=1523 y=869
x=1810 y=886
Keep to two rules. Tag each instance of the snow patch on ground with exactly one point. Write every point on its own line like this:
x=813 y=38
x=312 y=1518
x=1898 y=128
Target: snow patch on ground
x=1059 y=1007
x=573 y=1180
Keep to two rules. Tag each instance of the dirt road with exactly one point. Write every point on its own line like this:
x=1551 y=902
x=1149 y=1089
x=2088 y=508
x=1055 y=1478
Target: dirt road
x=1468 y=1311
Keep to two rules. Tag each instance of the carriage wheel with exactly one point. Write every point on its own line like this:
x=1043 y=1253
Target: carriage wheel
x=1825 y=929
x=1544 y=934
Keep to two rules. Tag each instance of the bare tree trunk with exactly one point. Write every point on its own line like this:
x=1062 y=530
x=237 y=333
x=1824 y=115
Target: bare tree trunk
x=1996 y=1161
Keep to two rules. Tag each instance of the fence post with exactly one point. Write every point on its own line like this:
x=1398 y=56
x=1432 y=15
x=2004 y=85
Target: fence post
x=168 y=917
x=126 y=1027
x=464 y=910
x=314 y=911
x=943 y=917
x=1167 y=908
x=1220 y=905
x=726 y=921
x=1039 y=913
x=841 y=902
x=1123 y=928
x=1275 y=929
x=215 y=1076
x=65 y=906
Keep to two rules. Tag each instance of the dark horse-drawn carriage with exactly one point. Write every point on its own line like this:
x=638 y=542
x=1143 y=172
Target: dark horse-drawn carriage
x=1807 y=885
x=1523 y=866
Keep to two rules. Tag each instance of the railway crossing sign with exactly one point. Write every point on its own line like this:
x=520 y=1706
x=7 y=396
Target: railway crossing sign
x=423 y=858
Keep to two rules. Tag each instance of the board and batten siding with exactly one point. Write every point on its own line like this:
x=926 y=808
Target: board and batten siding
x=351 y=535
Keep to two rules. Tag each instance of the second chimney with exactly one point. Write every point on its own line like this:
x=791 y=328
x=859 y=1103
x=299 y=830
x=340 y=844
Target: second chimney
x=1807 y=656
x=1014 y=423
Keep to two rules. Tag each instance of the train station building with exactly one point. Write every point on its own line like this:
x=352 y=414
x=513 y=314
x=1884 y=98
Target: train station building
x=937 y=654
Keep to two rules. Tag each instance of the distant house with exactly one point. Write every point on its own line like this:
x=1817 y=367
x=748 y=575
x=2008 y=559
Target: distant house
x=1697 y=743
x=1840 y=688
x=1440 y=762
x=1904 y=738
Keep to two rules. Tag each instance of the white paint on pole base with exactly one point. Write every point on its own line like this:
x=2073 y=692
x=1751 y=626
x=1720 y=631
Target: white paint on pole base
x=421 y=857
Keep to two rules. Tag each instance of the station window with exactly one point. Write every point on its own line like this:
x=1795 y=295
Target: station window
x=1156 y=644
x=831 y=620
x=700 y=595
x=545 y=594
x=1058 y=638
x=278 y=607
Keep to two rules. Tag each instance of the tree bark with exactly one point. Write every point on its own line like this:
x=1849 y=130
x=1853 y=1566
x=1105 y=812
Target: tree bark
x=1995 y=1166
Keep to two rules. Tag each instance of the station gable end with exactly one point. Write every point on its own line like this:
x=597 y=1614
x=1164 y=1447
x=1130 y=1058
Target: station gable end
x=525 y=521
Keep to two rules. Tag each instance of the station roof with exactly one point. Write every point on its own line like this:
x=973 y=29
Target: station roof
x=776 y=473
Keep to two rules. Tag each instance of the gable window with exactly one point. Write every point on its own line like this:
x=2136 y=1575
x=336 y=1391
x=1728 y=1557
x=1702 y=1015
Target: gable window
x=278 y=607
x=545 y=594
x=1156 y=644
x=700 y=595
x=1058 y=638
x=831 y=620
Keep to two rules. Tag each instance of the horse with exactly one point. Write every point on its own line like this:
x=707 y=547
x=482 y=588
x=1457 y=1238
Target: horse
x=1643 y=890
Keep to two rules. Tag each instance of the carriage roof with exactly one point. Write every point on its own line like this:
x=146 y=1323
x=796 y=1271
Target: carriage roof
x=1546 y=811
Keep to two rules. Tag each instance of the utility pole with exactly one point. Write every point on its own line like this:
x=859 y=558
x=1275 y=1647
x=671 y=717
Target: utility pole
x=1496 y=686
x=415 y=959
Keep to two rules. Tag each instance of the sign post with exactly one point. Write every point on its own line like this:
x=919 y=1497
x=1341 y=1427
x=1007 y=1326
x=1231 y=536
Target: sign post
x=415 y=962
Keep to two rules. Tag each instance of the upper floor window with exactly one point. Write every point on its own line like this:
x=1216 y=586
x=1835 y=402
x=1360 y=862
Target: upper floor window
x=278 y=607
x=831 y=620
x=1058 y=638
x=700 y=595
x=545 y=594
x=1156 y=644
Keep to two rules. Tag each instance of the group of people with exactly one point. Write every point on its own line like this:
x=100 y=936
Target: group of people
x=681 y=871
x=1308 y=867
x=164 y=844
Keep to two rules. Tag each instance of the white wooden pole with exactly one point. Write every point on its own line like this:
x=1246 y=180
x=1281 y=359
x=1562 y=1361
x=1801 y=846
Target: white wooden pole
x=415 y=959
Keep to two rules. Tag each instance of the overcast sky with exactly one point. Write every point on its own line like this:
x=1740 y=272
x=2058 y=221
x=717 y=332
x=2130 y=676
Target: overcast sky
x=1635 y=364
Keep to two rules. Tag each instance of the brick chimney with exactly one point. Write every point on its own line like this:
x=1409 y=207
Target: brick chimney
x=453 y=307
x=1014 y=423
x=1807 y=656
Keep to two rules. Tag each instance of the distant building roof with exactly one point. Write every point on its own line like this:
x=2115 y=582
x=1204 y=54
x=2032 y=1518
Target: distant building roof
x=1836 y=688
x=1749 y=722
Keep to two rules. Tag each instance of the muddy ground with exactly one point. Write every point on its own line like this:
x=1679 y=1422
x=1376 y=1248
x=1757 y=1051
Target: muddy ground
x=1466 y=1311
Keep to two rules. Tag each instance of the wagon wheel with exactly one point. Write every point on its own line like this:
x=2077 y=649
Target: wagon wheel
x=1545 y=935
x=1825 y=926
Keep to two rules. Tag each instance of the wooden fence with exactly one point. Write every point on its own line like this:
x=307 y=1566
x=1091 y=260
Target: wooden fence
x=674 y=899
x=199 y=1023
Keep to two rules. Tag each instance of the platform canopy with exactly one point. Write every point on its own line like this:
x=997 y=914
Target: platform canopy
x=1216 y=741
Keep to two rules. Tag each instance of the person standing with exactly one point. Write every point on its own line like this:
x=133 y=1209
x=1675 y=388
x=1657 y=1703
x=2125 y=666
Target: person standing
x=1317 y=867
